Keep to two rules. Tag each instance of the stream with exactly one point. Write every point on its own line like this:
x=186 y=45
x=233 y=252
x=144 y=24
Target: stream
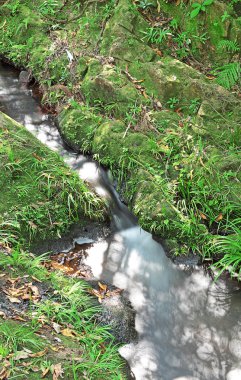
x=189 y=327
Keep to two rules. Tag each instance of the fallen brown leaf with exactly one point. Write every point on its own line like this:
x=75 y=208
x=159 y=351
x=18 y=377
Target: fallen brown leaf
x=45 y=372
x=102 y=286
x=56 y=327
x=203 y=216
x=69 y=332
x=4 y=373
x=13 y=299
x=57 y=371
x=2 y=314
x=219 y=217
x=39 y=354
x=21 y=355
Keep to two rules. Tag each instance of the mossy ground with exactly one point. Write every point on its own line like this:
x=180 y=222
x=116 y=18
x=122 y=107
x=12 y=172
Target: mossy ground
x=159 y=124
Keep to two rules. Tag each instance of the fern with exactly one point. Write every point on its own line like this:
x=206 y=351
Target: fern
x=228 y=45
x=229 y=74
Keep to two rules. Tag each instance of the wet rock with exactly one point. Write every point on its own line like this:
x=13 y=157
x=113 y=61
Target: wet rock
x=25 y=77
x=120 y=316
x=89 y=230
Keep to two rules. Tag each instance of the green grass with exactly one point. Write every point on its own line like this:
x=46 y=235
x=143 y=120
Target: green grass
x=67 y=304
x=40 y=196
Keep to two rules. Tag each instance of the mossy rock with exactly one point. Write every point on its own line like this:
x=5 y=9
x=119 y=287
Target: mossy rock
x=109 y=88
x=170 y=78
x=123 y=33
x=78 y=126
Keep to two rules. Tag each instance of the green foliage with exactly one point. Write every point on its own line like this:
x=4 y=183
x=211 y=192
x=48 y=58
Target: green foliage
x=20 y=262
x=48 y=7
x=198 y=7
x=173 y=103
x=157 y=35
x=15 y=337
x=228 y=75
x=228 y=45
x=143 y=4
x=230 y=247
x=225 y=16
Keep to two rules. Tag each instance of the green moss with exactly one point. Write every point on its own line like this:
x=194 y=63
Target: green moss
x=109 y=88
x=78 y=127
x=121 y=38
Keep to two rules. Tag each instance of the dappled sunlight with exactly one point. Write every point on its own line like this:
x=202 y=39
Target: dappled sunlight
x=187 y=324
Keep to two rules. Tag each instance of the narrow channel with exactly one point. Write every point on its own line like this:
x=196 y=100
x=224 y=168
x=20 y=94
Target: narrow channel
x=189 y=327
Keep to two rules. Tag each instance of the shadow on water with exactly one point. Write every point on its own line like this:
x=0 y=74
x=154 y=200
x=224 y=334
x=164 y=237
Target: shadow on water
x=189 y=327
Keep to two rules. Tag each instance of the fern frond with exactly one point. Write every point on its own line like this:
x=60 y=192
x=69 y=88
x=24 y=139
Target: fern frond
x=228 y=74
x=228 y=45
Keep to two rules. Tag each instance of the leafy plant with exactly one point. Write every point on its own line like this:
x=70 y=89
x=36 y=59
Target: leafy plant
x=230 y=246
x=157 y=35
x=48 y=7
x=228 y=45
x=198 y=7
x=229 y=74
x=225 y=16
x=143 y=4
x=194 y=105
x=173 y=102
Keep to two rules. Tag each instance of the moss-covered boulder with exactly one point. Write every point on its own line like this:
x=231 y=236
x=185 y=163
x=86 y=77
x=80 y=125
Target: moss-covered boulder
x=170 y=78
x=123 y=34
x=78 y=126
x=39 y=193
x=107 y=87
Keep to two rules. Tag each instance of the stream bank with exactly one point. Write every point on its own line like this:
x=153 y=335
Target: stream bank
x=169 y=134
x=186 y=323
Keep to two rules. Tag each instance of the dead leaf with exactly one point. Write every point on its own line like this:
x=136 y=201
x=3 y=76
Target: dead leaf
x=203 y=216
x=4 y=374
x=35 y=279
x=36 y=156
x=69 y=332
x=54 y=348
x=18 y=318
x=39 y=354
x=32 y=225
x=13 y=299
x=45 y=372
x=102 y=286
x=35 y=290
x=21 y=355
x=158 y=7
x=56 y=327
x=219 y=217
x=57 y=371
x=2 y=314
x=145 y=95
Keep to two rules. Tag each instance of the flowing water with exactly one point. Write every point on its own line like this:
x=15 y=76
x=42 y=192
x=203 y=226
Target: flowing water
x=189 y=328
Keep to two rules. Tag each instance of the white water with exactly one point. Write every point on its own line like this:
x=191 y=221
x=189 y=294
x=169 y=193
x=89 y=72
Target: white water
x=189 y=328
